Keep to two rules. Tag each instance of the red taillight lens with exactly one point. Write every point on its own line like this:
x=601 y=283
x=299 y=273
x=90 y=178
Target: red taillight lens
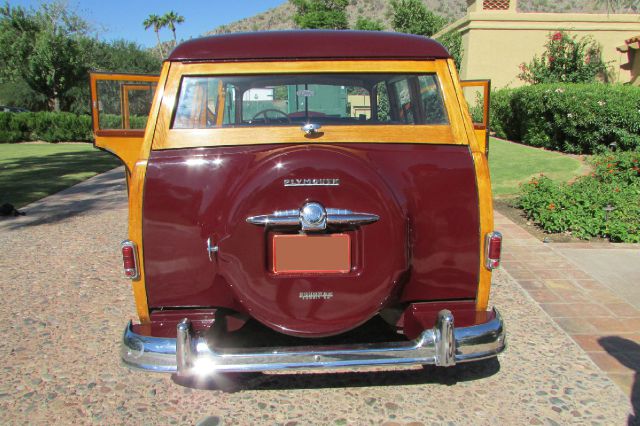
x=493 y=250
x=129 y=257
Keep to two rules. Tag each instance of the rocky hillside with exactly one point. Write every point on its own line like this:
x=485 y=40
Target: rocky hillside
x=281 y=17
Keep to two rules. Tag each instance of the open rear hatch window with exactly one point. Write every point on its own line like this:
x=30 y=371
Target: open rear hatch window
x=294 y=99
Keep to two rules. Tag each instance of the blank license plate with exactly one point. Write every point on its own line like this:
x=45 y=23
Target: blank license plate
x=312 y=253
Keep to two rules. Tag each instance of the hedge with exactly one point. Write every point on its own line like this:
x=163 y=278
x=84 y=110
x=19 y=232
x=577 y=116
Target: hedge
x=54 y=126
x=573 y=118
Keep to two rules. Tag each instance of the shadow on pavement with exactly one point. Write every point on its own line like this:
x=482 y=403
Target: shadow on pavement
x=627 y=353
x=230 y=382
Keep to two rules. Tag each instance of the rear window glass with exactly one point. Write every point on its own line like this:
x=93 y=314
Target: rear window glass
x=281 y=100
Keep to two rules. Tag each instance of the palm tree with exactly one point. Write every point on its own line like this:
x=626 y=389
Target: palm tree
x=170 y=19
x=157 y=23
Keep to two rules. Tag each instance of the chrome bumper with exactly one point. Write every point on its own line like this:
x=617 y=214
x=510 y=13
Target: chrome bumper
x=190 y=354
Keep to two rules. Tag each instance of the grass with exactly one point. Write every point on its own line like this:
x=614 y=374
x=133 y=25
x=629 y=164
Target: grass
x=512 y=164
x=29 y=172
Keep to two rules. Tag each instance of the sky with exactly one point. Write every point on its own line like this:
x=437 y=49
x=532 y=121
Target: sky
x=116 y=19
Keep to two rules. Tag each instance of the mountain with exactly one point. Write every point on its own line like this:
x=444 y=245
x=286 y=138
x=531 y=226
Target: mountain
x=281 y=17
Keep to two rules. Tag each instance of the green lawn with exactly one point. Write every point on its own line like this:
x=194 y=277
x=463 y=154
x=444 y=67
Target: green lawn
x=512 y=164
x=29 y=172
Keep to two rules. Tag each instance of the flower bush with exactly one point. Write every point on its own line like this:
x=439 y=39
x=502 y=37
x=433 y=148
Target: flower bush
x=605 y=203
x=574 y=118
x=565 y=60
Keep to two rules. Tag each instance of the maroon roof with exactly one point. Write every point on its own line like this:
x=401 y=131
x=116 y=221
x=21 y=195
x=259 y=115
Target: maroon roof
x=308 y=44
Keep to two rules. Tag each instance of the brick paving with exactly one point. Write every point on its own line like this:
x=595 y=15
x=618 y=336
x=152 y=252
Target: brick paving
x=604 y=325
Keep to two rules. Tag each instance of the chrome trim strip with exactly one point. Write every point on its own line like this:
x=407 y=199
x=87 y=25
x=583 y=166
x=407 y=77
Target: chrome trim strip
x=190 y=354
x=296 y=218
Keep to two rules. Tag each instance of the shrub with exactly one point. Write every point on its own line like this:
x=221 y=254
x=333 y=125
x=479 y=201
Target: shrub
x=56 y=126
x=565 y=60
x=574 y=118
x=579 y=207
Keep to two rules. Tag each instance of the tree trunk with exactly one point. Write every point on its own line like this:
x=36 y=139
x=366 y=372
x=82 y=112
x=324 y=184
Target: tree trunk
x=160 y=44
x=54 y=103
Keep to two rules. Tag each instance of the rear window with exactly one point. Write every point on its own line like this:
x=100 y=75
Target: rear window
x=282 y=100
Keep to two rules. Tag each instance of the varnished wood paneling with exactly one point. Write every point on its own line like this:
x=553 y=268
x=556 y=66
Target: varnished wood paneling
x=485 y=202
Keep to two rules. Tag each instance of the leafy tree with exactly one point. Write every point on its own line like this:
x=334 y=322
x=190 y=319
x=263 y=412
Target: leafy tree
x=123 y=56
x=170 y=19
x=115 y=56
x=42 y=48
x=157 y=23
x=413 y=17
x=369 y=25
x=323 y=14
x=453 y=42
x=18 y=93
x=565 y=60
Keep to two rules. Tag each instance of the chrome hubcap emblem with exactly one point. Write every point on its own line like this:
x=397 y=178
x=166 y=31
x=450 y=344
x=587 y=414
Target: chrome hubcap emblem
x=313 y=216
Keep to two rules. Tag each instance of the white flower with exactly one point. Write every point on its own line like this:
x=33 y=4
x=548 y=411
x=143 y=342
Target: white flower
x=569 y=115
x=559 y=90
x=601 y=103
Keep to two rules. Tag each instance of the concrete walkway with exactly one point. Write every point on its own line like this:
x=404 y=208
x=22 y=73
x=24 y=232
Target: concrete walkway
x=100 y=192
x=589 y=292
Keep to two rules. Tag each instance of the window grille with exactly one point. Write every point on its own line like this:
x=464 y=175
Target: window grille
x=495 y=5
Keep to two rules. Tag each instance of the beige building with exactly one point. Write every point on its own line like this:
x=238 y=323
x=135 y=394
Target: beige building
x=496 y=39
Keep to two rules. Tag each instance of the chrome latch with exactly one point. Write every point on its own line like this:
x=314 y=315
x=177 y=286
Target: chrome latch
x=313 y=217
x=212 y=250
x=311 y=128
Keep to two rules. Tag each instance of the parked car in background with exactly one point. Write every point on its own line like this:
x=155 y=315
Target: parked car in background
x=298 y=185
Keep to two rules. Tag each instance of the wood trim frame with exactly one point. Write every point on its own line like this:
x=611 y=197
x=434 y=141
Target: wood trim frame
x=486 y=88
x=124 y=99
x=93 y=82
x=167 y=138
x=136 y=190
x=485 y=201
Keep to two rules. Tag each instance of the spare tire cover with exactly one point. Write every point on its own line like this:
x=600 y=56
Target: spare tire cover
x=312 y=305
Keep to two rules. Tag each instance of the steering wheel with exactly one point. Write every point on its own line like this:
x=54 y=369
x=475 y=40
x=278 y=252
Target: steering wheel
x=265 y=111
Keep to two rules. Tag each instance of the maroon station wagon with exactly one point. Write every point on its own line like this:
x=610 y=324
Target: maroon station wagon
x=304 y=199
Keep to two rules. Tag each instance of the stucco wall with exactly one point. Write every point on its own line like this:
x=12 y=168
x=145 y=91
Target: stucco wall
x=496 y=43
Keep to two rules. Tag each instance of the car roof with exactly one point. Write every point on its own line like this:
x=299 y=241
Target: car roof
x=308 y=44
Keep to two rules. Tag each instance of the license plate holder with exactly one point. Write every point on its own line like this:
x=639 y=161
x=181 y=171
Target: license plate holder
x=312 y=254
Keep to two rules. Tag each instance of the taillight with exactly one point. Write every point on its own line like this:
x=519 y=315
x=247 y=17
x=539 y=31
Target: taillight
x=130 y=259
x=493 y=247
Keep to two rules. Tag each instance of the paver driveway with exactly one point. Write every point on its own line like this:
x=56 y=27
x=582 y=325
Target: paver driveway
x=65 y=306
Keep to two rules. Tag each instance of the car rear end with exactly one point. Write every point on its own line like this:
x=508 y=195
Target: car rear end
x=310 y=197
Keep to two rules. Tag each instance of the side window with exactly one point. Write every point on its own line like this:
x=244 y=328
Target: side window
x=359 y=103
x=403 y=96
x=123 y=105
x=198 y=103
x=383 y=104
x=431 y=99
